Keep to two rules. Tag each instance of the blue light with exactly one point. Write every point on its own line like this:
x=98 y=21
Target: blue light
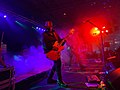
x=17 y=57
x=5 y=16
x=36 y=27
x=107 y=72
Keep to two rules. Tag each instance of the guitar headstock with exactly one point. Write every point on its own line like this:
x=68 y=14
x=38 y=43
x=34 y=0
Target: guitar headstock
x=72 y=31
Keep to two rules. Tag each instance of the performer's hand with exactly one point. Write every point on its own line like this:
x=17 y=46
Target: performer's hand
x=55 y=44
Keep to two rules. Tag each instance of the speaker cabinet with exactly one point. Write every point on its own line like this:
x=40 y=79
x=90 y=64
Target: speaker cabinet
x=114 y=78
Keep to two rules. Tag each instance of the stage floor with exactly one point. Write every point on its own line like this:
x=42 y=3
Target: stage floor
x=75 y=81
x=73 y=76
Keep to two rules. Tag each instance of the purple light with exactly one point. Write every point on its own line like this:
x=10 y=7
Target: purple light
x=24 y=64
x=5 y=16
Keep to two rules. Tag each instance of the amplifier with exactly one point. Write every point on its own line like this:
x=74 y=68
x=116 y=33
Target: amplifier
x=7 y=78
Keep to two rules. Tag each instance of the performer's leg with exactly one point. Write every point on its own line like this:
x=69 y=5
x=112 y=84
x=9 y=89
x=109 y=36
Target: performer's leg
x=50 y=80
x=52 y=72
x=58 y=70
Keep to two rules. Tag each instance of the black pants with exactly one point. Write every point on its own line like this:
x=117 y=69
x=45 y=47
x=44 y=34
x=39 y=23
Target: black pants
x=56 y=67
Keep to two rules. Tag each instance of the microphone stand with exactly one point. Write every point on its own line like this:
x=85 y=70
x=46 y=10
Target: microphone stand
x=103 y=73
x=102 y=42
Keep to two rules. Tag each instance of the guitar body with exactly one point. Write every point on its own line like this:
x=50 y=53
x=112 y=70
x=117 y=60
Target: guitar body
x=53 y=55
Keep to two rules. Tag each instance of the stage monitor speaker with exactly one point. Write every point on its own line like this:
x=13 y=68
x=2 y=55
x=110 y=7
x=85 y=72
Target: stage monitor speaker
x=114 y=78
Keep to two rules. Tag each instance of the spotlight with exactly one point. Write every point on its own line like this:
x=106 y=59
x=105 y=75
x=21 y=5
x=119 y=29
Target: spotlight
x=96 y=28
x=33 y=27
x=103 y=27
x=102 y=31
x=64 y=14
x=36 y=27
x=106 y=31
x=5 y=16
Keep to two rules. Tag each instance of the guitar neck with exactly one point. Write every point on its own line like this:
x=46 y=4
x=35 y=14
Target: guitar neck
x=62 y=42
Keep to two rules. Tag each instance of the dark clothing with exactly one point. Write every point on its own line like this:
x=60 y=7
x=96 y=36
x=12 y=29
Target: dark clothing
x=56 y=67
x=48 y=41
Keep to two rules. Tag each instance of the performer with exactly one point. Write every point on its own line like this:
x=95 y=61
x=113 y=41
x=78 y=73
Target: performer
x=49 y=38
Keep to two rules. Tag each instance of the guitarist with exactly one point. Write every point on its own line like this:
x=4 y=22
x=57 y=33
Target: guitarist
x=49 y=38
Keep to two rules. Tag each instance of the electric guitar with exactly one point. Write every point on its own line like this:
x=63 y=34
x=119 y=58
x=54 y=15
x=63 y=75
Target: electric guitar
x=55 y=54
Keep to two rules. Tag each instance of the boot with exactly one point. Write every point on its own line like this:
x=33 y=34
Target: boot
x=62 y=83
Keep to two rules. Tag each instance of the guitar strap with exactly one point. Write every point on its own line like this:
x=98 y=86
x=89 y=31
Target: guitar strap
x=56 y=36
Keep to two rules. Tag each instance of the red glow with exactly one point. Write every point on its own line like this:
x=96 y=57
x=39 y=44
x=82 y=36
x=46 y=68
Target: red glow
x=95 y=31
x=106 y=31
x=104 y=27
x=102 y=31
x=83 y=38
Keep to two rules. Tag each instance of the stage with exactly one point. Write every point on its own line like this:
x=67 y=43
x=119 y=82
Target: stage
x=90 y=56
x=73 y=76
x=29 y=71
x=76 y=78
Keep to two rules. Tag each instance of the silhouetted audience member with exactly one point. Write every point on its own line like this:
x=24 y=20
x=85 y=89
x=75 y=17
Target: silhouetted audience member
x=2 y=59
